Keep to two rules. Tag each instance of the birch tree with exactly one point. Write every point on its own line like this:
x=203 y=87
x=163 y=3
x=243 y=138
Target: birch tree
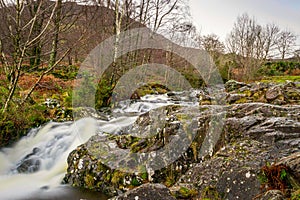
x=29 y=25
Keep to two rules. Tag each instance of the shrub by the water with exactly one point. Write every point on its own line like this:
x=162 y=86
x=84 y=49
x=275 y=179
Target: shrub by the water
x=17 y=121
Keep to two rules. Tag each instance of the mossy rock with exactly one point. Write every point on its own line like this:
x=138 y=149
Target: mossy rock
x=85 y=168
x=248 y=93
x=186 y=193
x=210 y=193
x=242 y=100
x=151 y=88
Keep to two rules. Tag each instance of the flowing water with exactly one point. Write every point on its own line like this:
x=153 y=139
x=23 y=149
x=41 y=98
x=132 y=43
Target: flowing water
x=34 y=167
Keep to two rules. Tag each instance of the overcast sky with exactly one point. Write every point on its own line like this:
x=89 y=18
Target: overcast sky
x=218 y=16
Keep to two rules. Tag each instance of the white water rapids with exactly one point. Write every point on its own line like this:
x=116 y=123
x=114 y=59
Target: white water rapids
x=53 y=143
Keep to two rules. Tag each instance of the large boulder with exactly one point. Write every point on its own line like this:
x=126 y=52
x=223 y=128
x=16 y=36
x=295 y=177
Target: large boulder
x=87 y=166
x=233 y=85
x=253 y=134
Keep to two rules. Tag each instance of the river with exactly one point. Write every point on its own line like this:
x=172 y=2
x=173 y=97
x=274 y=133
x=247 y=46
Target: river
x=34 y=167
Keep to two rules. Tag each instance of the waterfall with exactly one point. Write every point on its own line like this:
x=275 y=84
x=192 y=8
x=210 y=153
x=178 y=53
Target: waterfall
x=39 y=160
x=37 y=163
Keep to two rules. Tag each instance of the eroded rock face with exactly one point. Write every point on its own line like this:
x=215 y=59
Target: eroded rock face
x=253 y=134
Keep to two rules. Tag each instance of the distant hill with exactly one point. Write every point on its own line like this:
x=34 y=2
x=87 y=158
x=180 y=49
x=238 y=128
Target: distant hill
x=93 y=23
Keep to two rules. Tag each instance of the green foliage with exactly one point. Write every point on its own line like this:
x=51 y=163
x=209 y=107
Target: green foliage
x=3 y=94
x=143 y=172
x=117 y=177
x=144 y=176
x=66 y=98
x=89 y=181
x=194 y=79
x=135 y=182
x=278 y=68
x=262 y=178
x=187 y=193
x=170 y=180
x=224 y=72
x=283 y=174
x=17 y=121
x=103 y=93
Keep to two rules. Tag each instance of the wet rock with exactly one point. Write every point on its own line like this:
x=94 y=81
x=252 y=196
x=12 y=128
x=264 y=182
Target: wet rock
x=29 y=166
x=98 y=164
x=205 y=99
x=82 y=112
x=233 y=85
x=238 y=184
x=147 y=192
x=273 y=93
x=30 y=163
x=184 y=191
x=292 y=92
x=135 y=95
x=52 y=103
x=232 y=171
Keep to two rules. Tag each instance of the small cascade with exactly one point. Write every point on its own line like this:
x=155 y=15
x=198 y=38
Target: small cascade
x=34 y=167
x=38 y=161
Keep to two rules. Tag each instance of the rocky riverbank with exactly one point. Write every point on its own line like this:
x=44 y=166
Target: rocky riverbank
x=255 y=153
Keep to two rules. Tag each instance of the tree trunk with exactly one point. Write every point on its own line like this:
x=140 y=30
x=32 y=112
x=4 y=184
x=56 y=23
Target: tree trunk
x=57 y=21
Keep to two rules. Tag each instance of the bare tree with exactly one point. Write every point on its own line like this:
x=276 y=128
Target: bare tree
x=286 y=42
x=152 y=13
x=271 y=32
x=29 y=25
x=242 y=43
x=252 y=44
x=212 y=44
x=21 y=42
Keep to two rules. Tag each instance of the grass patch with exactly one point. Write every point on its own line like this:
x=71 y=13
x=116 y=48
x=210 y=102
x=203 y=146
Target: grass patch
x=280 y=79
